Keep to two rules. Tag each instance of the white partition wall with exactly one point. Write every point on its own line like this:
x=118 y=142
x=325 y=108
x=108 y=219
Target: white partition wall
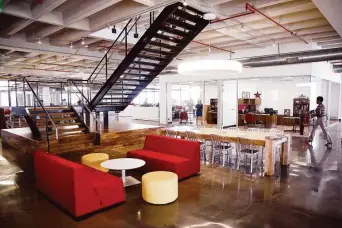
x=229 y=103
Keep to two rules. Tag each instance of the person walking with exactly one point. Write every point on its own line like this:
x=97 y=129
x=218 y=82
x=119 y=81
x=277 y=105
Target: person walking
x=321 y=121
x=199 y=112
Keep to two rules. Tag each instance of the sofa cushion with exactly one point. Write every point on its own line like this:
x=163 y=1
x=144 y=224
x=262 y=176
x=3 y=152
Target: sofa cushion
x=157 y=161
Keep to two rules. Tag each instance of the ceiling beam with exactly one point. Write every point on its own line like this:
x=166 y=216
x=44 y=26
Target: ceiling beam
x=34 y=48
x=44 y=32
x=323 y=39
x=86 y=9
x=46 y=7
x=18 y=25
x=146 y=2
x=23 y=10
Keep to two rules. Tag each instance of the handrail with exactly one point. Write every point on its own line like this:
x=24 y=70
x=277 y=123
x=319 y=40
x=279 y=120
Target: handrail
x=109 y=49
x=94 y=117
x=47 y=115
x=105 y=56
x=72 y=81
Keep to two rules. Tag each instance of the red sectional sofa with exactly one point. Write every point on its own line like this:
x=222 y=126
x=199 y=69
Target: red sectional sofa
x=169 y=154
x=77 y=188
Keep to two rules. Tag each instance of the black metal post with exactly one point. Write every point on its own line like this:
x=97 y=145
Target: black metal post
x=107 y=66
x=16 y=92
x=37 y=94
x=105 y=120
x=126 y=40
x=24 y=92
x=96 y=123
x=87 y=118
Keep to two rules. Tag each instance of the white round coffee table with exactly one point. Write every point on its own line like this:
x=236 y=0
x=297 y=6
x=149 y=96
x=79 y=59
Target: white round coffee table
x=124 y=164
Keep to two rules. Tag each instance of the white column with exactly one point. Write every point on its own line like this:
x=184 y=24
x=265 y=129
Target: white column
x=329 y=100
x=340 y=105
x=165 y=103
x=219 y=103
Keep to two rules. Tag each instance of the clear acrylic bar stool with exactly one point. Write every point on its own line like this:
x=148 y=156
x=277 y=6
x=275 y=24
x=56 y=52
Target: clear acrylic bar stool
x=192 y=136
x=220 y=147
x=250 y=152
x=172 y=134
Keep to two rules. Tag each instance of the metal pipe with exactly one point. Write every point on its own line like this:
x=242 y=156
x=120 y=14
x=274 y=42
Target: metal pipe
x=294 y=58
x=253 y=9
x=233 y=16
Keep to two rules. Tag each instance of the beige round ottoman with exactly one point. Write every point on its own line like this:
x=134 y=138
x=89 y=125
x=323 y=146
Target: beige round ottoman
x=94 y=160
x=160 y=187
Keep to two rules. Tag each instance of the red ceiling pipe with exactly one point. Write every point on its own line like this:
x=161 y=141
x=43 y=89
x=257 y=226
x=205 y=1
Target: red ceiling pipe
x=234 y=16
x=251 y=8
x=221 y=49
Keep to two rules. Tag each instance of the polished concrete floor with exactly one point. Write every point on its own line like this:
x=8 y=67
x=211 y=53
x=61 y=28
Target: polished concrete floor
x=309 y=194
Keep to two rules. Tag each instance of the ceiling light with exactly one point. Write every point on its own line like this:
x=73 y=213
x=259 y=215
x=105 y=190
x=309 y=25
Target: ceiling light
x=83 y=42
x=185 y=3
x=86 y=45
x=209 y=16
x=105 y=50
x=210 y=67
x=71 y=46
x=39 y=40
x=274 y=44
x=114 y=29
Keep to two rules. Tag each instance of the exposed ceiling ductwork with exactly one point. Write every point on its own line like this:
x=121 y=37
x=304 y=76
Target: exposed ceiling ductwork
x=294 y=58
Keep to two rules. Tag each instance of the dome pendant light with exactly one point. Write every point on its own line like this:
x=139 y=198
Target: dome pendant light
x=210 y=67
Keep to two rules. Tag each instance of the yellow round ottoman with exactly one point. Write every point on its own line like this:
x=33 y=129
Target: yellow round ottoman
x=94 y=160
x=160 y=187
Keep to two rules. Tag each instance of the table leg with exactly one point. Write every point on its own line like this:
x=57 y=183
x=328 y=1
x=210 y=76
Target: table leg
x=128 y=181
x=269 y=157
x=286 y=151
x=123 y=176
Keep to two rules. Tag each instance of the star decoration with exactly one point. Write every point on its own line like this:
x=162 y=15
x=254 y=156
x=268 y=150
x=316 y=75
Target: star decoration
x=257 y=94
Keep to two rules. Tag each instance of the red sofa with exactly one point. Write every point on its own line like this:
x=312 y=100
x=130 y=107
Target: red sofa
x=75 y=187
x=169 y=154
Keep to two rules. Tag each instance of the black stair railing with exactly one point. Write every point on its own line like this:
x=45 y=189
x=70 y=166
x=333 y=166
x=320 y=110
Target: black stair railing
x=48 y=118
x=122 y=37
x=73 y=88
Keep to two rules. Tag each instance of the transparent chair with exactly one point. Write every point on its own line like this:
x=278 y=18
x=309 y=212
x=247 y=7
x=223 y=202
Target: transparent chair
x=250 y=152
x=276 y=132
x=253 y=129
x=172 y=134
x=192 y=136
x=220 y=147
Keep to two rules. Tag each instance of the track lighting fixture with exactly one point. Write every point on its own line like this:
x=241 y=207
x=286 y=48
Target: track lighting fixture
x=71 y=46
x=83 y=42
x=39 y=40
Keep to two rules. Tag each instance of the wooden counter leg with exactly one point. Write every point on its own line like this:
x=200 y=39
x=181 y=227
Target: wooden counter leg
x=269 y=157
x=286 y=151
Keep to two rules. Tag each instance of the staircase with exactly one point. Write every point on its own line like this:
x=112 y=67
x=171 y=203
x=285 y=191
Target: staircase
x=72 y=134
x=174 y=28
